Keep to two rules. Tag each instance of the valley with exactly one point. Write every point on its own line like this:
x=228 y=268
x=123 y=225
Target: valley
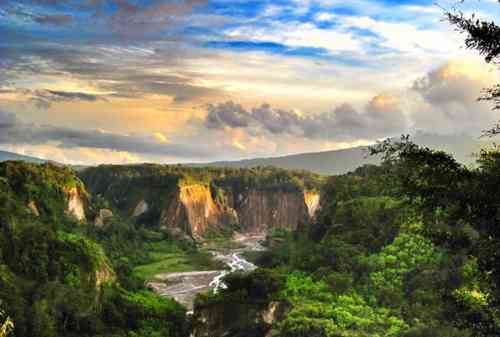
x=158 y=250
x=184 y=286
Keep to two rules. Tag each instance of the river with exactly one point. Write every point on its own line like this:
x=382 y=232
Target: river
x=185 y=286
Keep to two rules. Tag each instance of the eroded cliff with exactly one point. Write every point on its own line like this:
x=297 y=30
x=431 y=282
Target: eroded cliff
x=261 y=210
x=194 y=201
x=194 y=211
x=75 y=200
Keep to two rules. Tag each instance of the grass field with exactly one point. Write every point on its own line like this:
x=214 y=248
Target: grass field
x=168 y=258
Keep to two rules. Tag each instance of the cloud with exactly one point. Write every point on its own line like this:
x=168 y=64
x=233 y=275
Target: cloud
x=445 y=99
x=40 y=18
x=57 y=20
x=381 y=116
x=14 y=131
x=227 y=114
x=298 y=35
x=114 y=71
x=119 y=16
x=43 y=99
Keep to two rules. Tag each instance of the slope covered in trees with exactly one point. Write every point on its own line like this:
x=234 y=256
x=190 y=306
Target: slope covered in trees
x=409 y=248
x=405 y=249
x=61 y=277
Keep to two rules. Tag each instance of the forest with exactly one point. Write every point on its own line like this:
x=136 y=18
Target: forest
x=407 y=248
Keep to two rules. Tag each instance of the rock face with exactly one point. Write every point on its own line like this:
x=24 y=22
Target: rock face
x=192 y=201
x=312 y=201
x=75 y=203
x=141 y=208
x=94 y=279
x=261 y=211
x=229 y=319
x=194 y=211
x=102 y=216
x=33 y=209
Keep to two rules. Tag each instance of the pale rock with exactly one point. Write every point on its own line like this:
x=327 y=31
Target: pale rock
x=141 y=208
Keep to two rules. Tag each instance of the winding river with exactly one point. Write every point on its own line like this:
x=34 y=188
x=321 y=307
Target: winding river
x=185 y=286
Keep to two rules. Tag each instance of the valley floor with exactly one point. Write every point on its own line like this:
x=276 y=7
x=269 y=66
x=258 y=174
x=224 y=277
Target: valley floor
x=185 y=285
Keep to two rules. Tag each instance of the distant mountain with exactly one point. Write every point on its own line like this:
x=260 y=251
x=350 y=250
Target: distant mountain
x=342 y=161
x=4 y=156
x=331 y=162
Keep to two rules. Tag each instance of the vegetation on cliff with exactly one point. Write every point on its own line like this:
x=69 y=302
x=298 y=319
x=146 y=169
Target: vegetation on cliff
x=125 y=186
x=59 y=277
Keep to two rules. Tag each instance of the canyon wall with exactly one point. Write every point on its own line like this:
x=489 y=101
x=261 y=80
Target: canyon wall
x=193 y=202
x=195 y=211
x=75 y=203
x=260 y=210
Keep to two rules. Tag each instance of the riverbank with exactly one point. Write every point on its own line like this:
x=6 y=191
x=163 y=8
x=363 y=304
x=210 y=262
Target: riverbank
x=184 y=286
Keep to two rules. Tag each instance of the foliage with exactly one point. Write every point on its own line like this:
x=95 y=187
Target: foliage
x=483 y=36
x=53 y=268
x=459 y=208
x=319 y=312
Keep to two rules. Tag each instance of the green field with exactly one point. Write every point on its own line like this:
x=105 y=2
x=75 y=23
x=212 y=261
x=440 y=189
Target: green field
x=166 y=258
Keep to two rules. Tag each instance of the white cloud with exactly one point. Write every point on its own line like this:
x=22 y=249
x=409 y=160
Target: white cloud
x=297 y=34
x=408 y=38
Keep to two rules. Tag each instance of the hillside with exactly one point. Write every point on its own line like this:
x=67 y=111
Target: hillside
x=198 y=201
x=342 y=161
x=403 y=249
x=5 y=155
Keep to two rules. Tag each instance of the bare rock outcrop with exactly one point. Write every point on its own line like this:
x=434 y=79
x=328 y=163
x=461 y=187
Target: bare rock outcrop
x=312 y=201
x=141 y=208
x=102 y=216
x=33 y=208
x=261 y=210
x=194 y=211
x=75 y=203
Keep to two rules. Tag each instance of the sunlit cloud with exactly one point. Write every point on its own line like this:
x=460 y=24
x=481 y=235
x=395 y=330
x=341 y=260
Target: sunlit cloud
x=194 y=80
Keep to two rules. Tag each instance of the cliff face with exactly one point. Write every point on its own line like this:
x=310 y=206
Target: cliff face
x=260 y=211
x=193 y=201
x=312 y=201
x=229 y=319
x=194 y=211
x=75 y=203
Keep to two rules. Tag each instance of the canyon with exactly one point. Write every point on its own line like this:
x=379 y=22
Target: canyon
x=198 y=203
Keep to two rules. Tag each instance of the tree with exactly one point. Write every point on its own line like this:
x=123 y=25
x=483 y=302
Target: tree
x=483 y=36
x=459 y=211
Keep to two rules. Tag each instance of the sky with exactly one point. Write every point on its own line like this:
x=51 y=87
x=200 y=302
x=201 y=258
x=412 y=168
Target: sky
x=127 y=81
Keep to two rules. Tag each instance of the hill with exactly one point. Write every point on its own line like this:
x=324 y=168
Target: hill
x=342 y=161
x=4 y=156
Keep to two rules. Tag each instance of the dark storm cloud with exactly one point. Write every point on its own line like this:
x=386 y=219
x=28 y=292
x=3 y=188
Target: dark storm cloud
x=380 y=117
x=14 y=131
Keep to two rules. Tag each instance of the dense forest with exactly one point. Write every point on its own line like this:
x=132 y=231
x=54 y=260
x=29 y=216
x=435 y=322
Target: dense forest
x=407 y=248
